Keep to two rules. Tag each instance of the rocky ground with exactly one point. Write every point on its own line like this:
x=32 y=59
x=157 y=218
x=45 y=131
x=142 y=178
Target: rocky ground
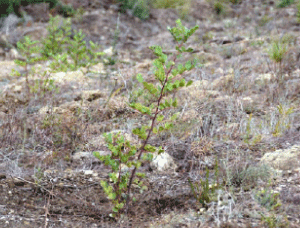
x=237 y=112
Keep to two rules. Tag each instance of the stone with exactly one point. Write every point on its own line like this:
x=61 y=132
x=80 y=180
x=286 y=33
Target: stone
x=163 y=162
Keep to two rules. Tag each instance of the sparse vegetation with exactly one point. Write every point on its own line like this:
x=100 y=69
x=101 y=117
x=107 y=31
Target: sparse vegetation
x=219 y=141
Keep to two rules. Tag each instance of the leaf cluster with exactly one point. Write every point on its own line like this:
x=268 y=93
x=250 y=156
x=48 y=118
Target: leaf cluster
x=123 y=155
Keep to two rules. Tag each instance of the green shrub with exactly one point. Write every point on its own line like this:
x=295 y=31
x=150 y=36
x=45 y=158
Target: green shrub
x=139 y=8
x=123 y=153
x=13 y=6
x=219 y=7
x=285 y=3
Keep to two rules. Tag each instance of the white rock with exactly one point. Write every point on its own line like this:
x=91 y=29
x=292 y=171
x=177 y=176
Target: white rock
x=109 y=51
x=163 y=162
x=88 y=172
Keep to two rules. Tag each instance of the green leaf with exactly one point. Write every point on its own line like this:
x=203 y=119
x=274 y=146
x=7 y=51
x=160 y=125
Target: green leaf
x=189 y=65
x=174 y=117
x=168 y=126
x=155 y=131
x=20 y=62
x=160 y=150
x=174 y=72
x=151 y=88
x=160 y=128
x=97 y=155
x=150 y=148
x=115 y=209
x=190 y=82
x=159 y=118
x=140 y=78
x=157 y=50
x=161 y=106
x=182 y=82
x=174 y=104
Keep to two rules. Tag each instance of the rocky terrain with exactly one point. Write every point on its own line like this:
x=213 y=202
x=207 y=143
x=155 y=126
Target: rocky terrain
x=240 y=120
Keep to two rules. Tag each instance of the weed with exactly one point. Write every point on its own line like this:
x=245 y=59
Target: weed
x=123 y=153
x=283 y=122
x=248 y=138
x=267 y=198
x=203 y=191
x=274 y=221
x=277 y=52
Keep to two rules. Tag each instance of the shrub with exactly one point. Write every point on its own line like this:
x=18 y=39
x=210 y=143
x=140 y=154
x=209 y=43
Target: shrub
x=285 y=3
x=30 y=50
x=59 y=32
x=219 y=7
x=58 y=45
x=123 y=153
x=139 y=8
x=13 y=6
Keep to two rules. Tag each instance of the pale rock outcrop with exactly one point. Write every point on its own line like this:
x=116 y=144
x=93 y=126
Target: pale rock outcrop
x=288 y=159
